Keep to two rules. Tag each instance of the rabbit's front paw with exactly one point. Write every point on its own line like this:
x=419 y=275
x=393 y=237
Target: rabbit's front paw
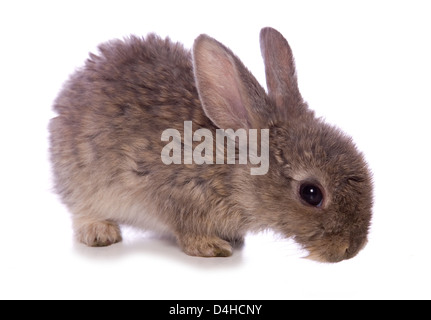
x=205 y=246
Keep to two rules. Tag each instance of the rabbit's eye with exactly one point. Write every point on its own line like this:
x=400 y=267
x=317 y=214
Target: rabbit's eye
x=311 y=194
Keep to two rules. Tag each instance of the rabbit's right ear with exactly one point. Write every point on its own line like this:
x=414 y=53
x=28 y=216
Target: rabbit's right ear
x=231 y=97
x=280 y=73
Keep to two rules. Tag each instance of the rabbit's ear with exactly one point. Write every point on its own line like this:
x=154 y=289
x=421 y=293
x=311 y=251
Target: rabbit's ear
x=280 y=73
x=231 y=97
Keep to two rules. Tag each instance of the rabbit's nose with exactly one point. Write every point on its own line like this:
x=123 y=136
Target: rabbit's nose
x=344 y=249
x=351 y=249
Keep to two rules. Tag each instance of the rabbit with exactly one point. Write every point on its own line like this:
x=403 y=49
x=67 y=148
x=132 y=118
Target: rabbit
x=105 y=146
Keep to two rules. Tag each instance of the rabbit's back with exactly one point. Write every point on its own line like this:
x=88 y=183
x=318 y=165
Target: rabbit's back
x=136 y=71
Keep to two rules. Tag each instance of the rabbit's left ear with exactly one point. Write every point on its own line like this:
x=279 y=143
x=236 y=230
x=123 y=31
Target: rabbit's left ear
x=280 y=73
x=231 y=97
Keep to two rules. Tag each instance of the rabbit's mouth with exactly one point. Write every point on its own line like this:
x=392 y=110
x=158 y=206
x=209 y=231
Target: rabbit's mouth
x=334 y=249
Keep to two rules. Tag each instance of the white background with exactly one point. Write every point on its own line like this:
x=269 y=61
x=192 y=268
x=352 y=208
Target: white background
x=364 y=65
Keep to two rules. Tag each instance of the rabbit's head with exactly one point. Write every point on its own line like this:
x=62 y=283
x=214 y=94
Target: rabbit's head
x=323 y=190
x=318 y=189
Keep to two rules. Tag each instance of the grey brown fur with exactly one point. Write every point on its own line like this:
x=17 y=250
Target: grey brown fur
x=106 y=146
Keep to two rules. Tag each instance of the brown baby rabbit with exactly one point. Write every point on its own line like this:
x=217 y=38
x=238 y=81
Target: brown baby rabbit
x=106 y=146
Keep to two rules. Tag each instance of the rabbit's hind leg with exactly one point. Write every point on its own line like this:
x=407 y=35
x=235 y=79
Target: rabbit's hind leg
x=96 y=233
